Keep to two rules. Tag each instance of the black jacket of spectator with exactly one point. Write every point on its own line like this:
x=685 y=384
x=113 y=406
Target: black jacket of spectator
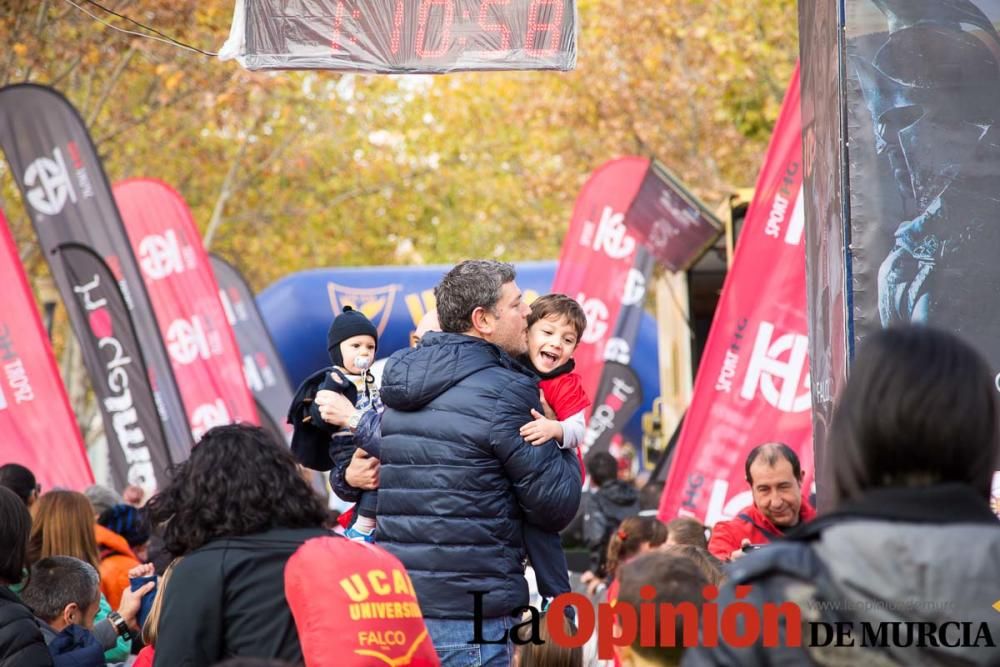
x=21 y=643
x=227 y=599
x=925 y=556
x=605 y=509
x=457 y=479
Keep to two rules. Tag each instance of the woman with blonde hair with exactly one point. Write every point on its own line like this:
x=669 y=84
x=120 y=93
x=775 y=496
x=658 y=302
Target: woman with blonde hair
x=63 y=525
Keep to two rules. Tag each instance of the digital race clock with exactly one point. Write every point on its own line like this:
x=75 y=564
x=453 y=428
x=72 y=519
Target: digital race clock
x=410 y=36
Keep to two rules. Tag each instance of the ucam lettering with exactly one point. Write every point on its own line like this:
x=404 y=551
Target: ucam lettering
x=766 y=367
x=47 y=184
x=119 y=404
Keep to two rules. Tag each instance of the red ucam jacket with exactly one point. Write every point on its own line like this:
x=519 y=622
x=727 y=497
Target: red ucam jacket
x=749 y=524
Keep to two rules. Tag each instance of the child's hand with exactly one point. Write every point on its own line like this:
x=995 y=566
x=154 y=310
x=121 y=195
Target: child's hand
x=541 y=430
x=546 y=408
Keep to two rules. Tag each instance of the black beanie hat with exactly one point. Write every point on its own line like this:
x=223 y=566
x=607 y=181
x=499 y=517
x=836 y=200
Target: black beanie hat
x=346 y=325
x=128 y=522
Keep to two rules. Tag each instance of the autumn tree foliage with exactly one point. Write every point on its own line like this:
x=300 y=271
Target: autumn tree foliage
x=290 y=170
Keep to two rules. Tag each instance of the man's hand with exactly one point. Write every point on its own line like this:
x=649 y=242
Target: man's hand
x=128 y=609
x=334 y=408
x=541 y=430
x=362 y=473
x=739 y=553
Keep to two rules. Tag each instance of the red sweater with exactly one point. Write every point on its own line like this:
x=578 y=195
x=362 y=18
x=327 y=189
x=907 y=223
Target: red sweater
x=566 y=397
x=750 y=524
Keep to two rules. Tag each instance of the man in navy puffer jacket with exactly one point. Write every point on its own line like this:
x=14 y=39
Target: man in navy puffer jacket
x=457 y=479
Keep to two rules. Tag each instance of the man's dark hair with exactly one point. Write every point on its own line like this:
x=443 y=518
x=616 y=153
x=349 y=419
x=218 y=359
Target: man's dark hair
x=675 y=580
x=18 y=479
x=685 y=530
x=559 y=305
x=771 y=453
x=475 y=283
x=919 y=409
x=238 y=481
x=602 y=468
x=57 y=581
x=650 y=494
x=15 y=528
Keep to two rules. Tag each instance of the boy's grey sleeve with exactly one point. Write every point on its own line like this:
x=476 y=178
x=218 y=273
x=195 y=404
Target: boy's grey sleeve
x=574 y=430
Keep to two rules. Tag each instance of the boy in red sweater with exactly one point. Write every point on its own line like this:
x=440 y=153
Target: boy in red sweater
x=555 y=326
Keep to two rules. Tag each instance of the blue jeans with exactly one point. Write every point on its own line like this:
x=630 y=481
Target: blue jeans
x=452 y=637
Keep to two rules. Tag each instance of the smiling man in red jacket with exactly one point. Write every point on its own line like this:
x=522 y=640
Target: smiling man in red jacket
x=775 y=478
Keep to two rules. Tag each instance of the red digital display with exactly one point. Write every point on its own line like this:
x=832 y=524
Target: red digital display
x=410 y=36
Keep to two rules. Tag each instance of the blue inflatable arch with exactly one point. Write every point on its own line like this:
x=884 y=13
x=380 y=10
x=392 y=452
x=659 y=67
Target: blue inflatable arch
x=298 y=310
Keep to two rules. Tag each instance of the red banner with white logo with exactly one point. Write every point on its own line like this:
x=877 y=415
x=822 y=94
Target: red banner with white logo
x=178 y=276
x=597 y=260
x=37 y=425
x=752 y=385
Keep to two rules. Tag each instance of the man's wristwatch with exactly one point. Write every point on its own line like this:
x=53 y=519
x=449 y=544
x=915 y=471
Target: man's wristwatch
x=354 y=420
x=119 y=624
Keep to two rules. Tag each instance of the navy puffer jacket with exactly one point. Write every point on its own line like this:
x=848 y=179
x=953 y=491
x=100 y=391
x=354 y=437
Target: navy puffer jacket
x=458 y=481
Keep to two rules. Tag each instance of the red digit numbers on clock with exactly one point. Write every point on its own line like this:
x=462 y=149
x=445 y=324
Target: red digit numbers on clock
x=484 y=15
x=397 y=27
x=338 y=22
x=552 y=27
x=445 y=37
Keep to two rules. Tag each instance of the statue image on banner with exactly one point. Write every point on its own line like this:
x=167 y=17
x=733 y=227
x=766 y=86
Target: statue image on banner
x=931 y=87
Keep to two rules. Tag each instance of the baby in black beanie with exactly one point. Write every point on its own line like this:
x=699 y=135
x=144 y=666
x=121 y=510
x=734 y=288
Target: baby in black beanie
x=351 y=342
